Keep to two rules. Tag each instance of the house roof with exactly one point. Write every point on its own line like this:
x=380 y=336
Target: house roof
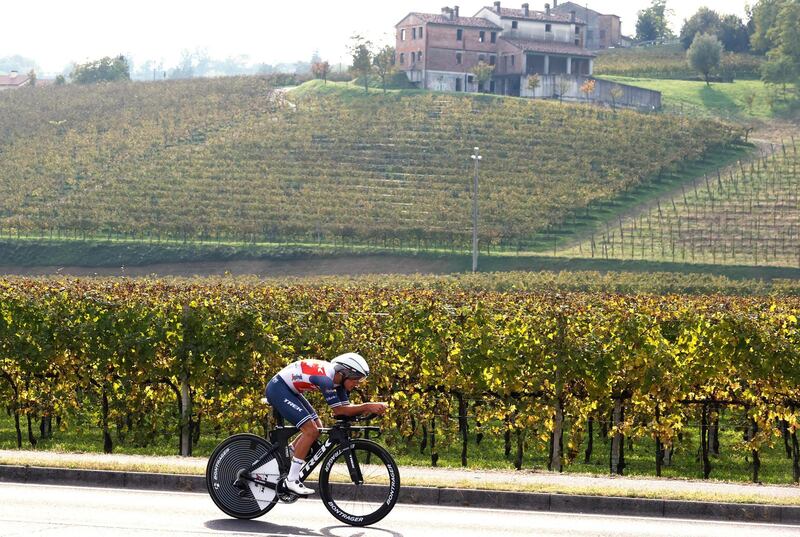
x=566 y=7
x=548 y=47
x=8 y=80
x=476 y=22
x=532 y=15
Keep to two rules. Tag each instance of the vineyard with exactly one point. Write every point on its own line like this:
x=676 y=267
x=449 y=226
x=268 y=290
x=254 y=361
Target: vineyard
x=669 y=61
x=223 y=160
x=188 y=360
x=748 y=215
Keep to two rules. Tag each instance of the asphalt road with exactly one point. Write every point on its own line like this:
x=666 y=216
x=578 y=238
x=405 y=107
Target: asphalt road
x=42 y=510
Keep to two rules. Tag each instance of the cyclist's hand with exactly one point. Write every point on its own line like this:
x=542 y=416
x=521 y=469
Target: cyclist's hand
x=378 y=408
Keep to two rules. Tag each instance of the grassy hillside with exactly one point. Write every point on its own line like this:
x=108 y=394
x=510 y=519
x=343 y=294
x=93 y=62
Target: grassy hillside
x=669 y=62
x=748 y=215
x=742 y=100
x=230 y=160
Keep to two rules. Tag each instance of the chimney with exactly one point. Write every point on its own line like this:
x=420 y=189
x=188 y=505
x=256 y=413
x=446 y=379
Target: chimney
x=447 y=13
x=572 y=16
x=555 y=4
x=455 y=9
x=547 y=9
x=526 y=10
x=497 y=7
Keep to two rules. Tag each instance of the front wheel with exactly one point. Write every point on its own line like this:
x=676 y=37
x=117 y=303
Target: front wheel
x=367 y=502
x=233 y=458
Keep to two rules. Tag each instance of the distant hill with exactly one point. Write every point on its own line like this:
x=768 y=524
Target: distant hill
x=230 y=159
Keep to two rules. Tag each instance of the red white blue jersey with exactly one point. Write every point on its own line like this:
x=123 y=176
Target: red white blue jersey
x=306 y=375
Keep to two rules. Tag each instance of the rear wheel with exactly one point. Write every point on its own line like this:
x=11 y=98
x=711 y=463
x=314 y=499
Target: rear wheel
x=359 y=504
x=233 y=458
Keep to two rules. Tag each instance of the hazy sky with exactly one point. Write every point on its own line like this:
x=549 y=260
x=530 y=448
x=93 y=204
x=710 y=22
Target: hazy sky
x=57 y=32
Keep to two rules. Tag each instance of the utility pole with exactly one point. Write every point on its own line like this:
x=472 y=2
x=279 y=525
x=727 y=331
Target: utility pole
x=476 y=157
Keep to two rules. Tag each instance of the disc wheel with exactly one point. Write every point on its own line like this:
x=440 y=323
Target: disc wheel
x=365 y=503
x=235 y=455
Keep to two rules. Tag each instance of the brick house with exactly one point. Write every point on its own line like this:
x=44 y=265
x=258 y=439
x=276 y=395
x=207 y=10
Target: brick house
x=602 y=31
x=13 y=80
x=438 y=52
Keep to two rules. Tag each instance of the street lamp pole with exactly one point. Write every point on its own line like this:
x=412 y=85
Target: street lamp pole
x=476 y=157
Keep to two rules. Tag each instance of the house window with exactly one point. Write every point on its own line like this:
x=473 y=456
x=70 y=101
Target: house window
x=419 y=32
x=577 y=41
x=505 y=62
x=481 y=58
x=602 y=34
x=419 y=56
x=577 y=30
x=470 y=79
x=481 y=37
x=402 y=58
x=458 y=84
x=491 y=86
x=458 y=58
x=548 y=27
x=494 y=37
x=414 y=32
x=514 y=25
x=512 y=61
x=459 y=34
x=403 y=34
x=492 y=59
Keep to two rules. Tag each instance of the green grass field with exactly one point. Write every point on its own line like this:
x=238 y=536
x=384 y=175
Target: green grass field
x=724 y=100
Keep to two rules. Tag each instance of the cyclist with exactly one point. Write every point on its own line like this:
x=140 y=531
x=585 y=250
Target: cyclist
x=335 y=379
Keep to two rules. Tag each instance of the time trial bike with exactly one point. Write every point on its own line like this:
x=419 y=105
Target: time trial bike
x=358 y=481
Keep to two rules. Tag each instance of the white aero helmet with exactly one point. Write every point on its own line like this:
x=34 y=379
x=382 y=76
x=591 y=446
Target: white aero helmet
x=351 y=365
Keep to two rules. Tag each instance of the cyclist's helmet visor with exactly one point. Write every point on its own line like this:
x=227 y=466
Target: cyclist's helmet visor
x=350 y=373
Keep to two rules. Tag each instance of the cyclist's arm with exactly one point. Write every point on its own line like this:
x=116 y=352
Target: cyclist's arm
x=356 y=410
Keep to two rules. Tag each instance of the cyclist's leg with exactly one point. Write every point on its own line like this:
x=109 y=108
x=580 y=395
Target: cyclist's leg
x=301 y=414
x=297 y=440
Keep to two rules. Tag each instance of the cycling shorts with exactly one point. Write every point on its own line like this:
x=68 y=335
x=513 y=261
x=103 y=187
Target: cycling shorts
x=291 y=406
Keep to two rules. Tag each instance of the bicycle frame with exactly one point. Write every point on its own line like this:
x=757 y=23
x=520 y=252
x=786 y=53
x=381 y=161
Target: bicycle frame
x=337 y=437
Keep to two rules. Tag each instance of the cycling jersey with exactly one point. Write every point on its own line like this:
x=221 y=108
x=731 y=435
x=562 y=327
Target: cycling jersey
x=285 y=391
x=306 y=375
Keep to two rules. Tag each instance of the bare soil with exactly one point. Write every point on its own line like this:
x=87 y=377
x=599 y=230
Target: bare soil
x=262 y=268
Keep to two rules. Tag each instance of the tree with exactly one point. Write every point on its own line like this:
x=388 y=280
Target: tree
x=779 y=71
x=763 y=18
x=652 y=22
x=321 y=69
x=483 y=74
x=705 y=21
x=103 y=70
x=383 y=63
x=60 y=80
x=783 y=66
x=32 y=78
x=704 y=55
x=733 y=34
x=563 y=87
x=361 y=51
x=588 y=88
x=534 y=82
x=730 y=29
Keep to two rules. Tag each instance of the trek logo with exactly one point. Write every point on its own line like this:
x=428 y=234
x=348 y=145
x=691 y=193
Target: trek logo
x=297 y=377
x=293 y=405
x=310 y=465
